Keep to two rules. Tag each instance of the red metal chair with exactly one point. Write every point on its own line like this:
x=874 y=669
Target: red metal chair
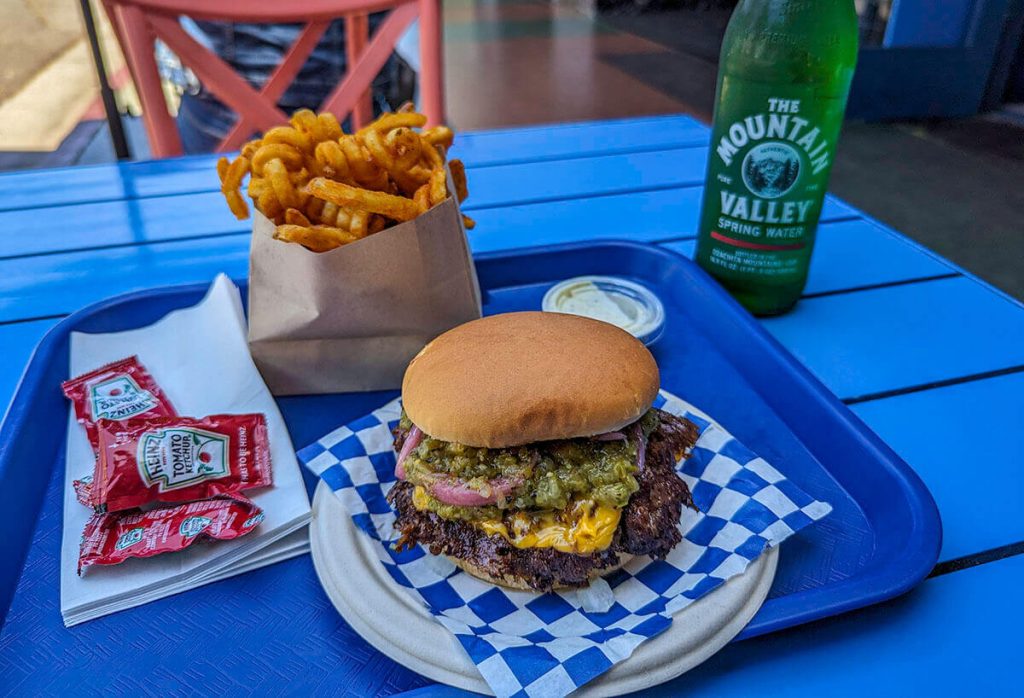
x=138 y=23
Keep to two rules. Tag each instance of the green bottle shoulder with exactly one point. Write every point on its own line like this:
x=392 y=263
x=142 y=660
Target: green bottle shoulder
x=810 y=43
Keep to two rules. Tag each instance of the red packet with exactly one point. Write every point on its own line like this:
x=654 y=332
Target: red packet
x=83 y=490
x=179 y=459
x=110 y=539
x=118 y=391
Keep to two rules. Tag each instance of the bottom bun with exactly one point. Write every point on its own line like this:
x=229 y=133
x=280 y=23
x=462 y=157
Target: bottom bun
x=512 y=582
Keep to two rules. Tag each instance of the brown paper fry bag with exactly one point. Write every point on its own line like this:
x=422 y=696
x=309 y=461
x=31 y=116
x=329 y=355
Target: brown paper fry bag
x=351 y=319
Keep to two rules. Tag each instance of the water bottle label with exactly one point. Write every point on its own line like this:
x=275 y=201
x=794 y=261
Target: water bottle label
x=771 y=153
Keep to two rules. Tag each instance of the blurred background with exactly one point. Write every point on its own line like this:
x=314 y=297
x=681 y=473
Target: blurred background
x=933 y=145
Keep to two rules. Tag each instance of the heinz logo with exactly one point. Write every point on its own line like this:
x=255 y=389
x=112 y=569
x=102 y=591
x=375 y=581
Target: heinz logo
x=181 y=456
x=119 y=398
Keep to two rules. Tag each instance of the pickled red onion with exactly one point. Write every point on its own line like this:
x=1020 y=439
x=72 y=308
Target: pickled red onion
x=412 y=440
x=457 y=493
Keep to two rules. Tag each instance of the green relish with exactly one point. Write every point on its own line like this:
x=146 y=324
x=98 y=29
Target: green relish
x=552 y=473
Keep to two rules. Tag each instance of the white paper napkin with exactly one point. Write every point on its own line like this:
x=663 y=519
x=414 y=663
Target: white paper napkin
x=200 y=358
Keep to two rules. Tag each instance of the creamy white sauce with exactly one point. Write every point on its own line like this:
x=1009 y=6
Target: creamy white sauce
x=587 y=299
x=616 y=301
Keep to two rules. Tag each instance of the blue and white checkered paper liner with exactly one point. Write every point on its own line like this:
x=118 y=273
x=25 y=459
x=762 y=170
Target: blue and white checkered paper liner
x=530 y=644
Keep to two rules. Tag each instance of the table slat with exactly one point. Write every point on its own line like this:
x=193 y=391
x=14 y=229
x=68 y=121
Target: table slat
x=642 y=216
x=193 y=174
x=128 y=221
x=955 y=635
x=966 y=441
x=573 y=179
x=863 y=343
x=33 y=287
x=852 y=254
x=645 y=216
x=535 y=144
x=73 y=279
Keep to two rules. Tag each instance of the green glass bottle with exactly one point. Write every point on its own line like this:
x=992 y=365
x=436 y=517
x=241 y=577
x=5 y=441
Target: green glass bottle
x=783 y=78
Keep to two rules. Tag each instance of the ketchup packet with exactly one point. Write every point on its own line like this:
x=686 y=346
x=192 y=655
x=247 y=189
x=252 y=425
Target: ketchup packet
x=178 y=459
x=118 y=391
x=83 y=490
x=110 y=539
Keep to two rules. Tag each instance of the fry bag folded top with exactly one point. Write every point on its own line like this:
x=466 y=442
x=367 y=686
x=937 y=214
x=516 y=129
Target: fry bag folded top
x=359 y=254
x=118 y=391
x=352 y=318
x=178 y=459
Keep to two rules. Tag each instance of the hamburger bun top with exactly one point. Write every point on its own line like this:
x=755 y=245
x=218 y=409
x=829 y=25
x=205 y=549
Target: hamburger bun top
x=512 y=379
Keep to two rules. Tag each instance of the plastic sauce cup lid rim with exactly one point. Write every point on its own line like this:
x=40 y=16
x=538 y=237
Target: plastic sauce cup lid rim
x=636 y=309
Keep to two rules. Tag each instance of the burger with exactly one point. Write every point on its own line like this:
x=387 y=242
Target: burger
x=529 y=452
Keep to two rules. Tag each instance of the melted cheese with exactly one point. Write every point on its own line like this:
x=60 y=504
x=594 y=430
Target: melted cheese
x=420 y=498
x=584 y=528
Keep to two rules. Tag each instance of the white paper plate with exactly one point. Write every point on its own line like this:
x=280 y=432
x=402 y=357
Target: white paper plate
x=387 y=617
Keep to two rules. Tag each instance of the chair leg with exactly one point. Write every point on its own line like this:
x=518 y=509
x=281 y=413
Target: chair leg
x=432 y=61
x=278 y=82
x=357 y=34
x=218 y=77
x=138 y=45
x=359 y=77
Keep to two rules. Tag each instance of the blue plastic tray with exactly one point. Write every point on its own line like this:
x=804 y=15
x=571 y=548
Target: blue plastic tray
x=274 y=629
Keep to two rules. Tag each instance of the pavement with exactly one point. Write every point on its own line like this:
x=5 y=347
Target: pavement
x=47 y=76
x=33 y=34
x=957 y=187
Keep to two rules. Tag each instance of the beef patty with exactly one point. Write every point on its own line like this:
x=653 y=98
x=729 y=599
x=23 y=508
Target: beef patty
x=648 y=525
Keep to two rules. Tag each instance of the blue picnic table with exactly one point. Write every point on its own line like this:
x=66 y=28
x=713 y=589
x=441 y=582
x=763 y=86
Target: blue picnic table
x=928 y=356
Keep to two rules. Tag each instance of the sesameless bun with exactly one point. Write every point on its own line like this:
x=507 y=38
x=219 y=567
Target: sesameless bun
x=513 y=379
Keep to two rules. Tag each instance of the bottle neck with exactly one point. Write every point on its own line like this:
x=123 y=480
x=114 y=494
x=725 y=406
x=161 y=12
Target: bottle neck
x=785 y=10
x=798 y=40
